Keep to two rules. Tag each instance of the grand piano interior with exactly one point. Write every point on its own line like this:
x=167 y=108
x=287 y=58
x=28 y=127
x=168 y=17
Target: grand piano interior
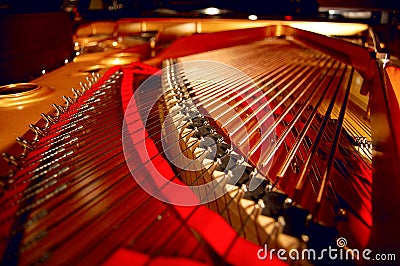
x=277 y=119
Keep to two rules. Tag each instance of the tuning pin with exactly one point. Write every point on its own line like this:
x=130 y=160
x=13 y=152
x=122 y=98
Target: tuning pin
x=10 y=159
x=94 y=77
x=68 y=101
x=89 y=81
x=97 y=75
x=49 y=120
x=59 y=109
x=76 y=93
x=110 y=81
x=37 y=131
x=25 y=145
x=83 y=86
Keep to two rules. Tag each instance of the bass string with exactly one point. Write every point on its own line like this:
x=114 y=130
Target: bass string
x=55 y=129
x=295 y=119
x=280 y=74
x=148 y=107
x=265 y=61
x=68 y=138
x=315 y=129
x=201 y=177
x=353 y=124
x=355 y=116
x=300 y=183
x=331 y=149
x=243 y=54
x=360 y=191
x=249 y=53
x=327 y=173
x=307 y=124
x=294 y=76
x=161 y=245
x=358 y=130
x=314 y=166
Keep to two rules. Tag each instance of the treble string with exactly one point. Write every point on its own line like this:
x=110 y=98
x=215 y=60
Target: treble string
x=206 y=94
x=242 y=110
x=277 y=69
x=293 y=76
x=293 y=123
x=267 y=157
x=254 y=101
x=244 y=223
x=243 y=96
x=265 y=118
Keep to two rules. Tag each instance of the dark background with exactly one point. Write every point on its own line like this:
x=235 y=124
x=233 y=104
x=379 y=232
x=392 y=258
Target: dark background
x=36 y=35
x=141 y=7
